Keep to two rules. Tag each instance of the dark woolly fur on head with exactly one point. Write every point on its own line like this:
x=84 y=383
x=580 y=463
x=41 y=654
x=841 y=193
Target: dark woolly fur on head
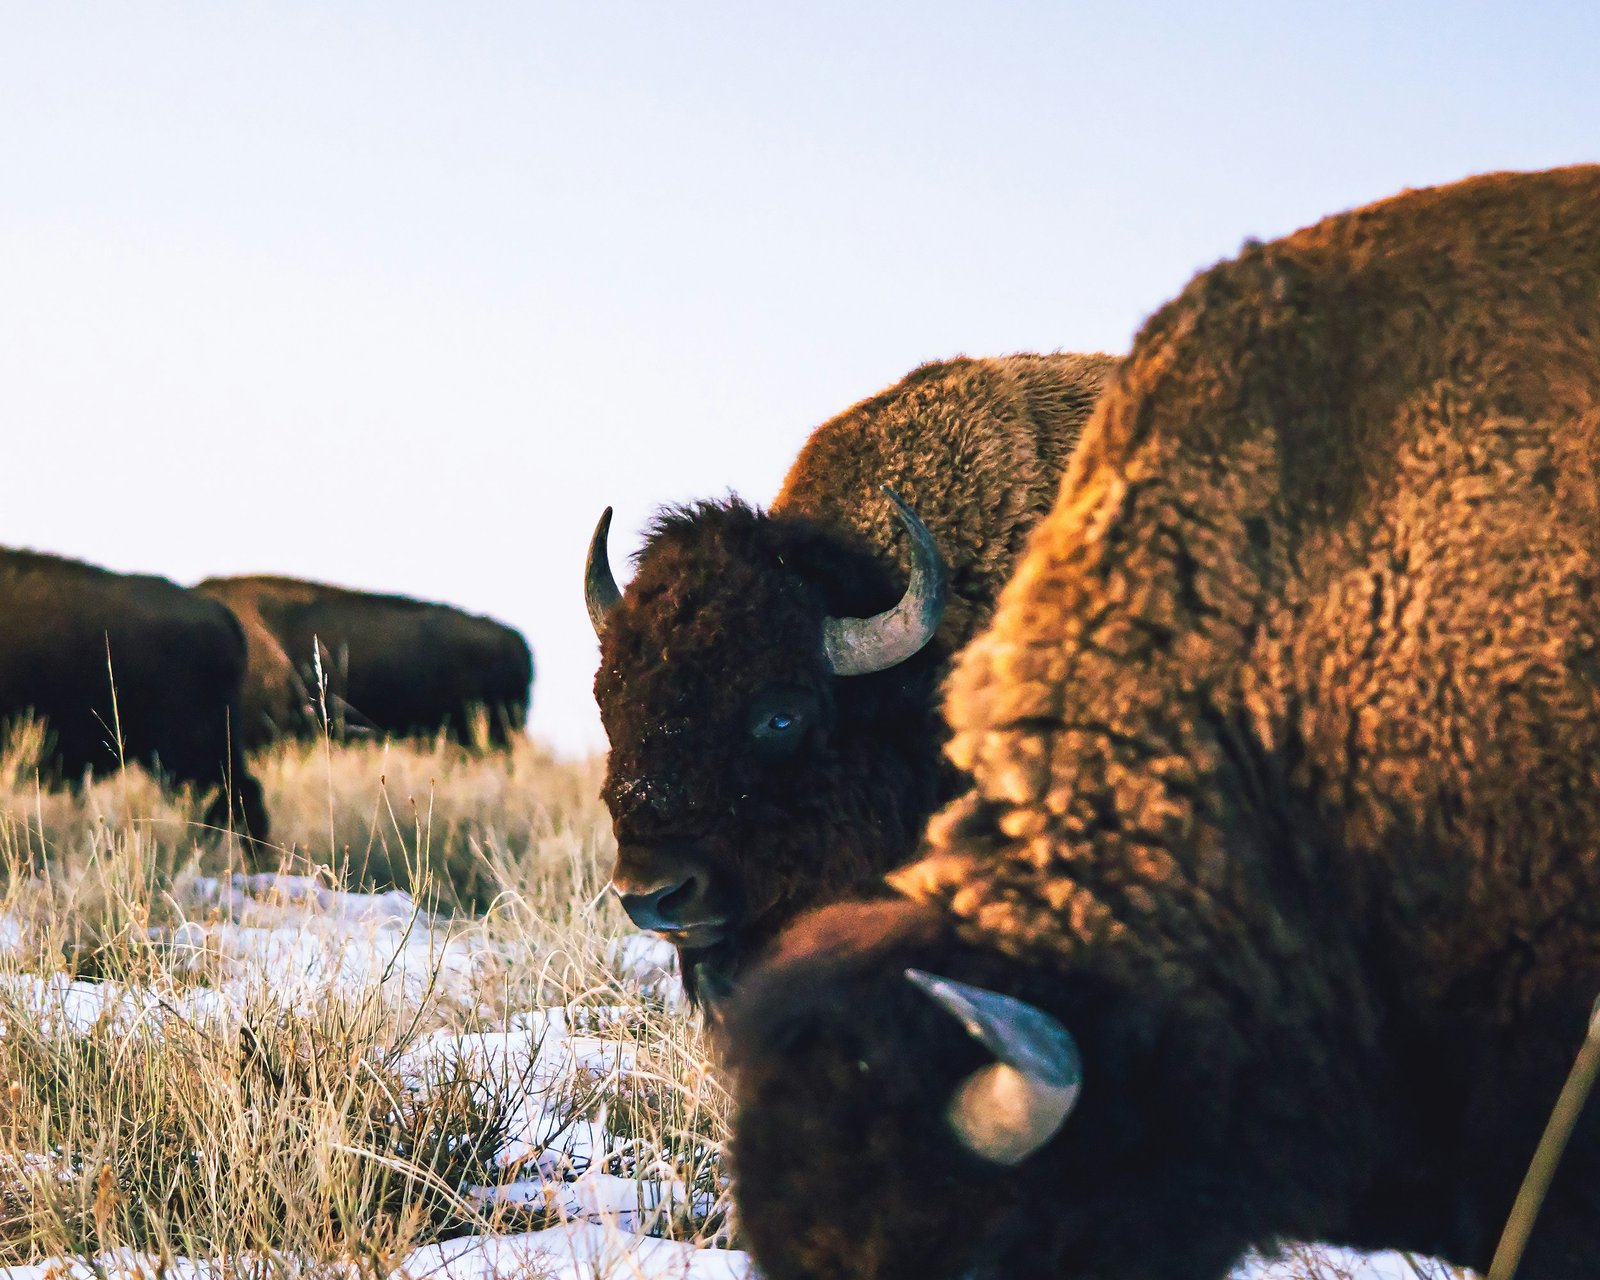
x=722 y=627
x=727 y=603
x=848 y=574
x=679 y=521
x=1284 y=800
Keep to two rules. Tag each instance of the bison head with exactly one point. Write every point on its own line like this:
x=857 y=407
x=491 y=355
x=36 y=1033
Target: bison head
x=909 y=1109
x=767 y=687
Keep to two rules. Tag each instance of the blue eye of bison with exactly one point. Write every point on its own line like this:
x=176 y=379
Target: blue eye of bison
x=780 y=719
x=776 y=725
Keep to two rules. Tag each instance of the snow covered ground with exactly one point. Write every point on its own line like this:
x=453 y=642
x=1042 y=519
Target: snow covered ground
x=577 y=1251
x=298 y=939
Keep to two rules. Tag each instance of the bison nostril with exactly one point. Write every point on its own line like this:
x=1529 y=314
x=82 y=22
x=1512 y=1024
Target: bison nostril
x=671 y=907
x=658 y=907
x=673 y=903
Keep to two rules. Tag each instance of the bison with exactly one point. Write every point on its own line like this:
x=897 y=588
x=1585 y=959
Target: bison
x=1273 y=910
x=772 y=711
x=127 y=667
x=388 y=664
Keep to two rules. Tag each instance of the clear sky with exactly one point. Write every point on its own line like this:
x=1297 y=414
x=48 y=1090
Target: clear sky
x=400 y=295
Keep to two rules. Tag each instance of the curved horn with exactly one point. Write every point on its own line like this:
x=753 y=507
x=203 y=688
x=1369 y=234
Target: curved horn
x=860 y=646
x=600 y=591
x=1006 y=1111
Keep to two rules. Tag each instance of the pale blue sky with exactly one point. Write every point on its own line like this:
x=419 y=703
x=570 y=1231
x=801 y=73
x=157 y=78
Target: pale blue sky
x=401 y=295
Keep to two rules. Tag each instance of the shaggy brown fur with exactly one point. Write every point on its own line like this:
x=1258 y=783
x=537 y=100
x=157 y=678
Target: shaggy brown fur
x=1286 y=747
x=721 y=628
x=390 y=664
x=94 y=653
x=977 y=447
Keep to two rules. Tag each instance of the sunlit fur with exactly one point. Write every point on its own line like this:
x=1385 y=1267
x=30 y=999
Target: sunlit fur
x=1286 y=753
x=728 y=600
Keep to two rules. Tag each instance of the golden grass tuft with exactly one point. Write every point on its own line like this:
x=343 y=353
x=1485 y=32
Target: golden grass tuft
x=206 y=1118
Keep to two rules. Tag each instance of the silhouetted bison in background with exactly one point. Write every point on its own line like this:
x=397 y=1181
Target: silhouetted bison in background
x=772 y=711
x=1285 y=821
x=126 y=667
x=390 y=665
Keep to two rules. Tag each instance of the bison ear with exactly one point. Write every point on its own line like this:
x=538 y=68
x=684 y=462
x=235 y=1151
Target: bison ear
x=861 y=646
x=600 y=592
x=1006 y=1111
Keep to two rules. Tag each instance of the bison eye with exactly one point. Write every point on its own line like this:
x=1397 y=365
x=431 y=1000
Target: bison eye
x=778 y=718
x=779 y=724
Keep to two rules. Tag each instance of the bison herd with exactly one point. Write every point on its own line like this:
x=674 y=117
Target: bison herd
x=128 y=668
x=1119 y=814
x=1124 y=815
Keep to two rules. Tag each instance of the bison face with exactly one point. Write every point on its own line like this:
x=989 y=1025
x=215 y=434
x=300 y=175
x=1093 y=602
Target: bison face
x=747 y=778
x=681 y=827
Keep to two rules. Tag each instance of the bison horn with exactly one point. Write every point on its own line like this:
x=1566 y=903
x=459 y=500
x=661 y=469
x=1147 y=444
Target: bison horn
x=1006 y=1111
x=600 y=591
x=860 y=646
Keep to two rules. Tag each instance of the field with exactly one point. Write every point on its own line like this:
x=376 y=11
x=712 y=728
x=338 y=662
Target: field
x=269 y=1070
x=430 y=1044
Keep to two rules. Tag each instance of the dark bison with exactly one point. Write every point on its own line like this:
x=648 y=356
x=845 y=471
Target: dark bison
x=390 y=664
x=771 y=708
x=126 y=667
x=1283 y=844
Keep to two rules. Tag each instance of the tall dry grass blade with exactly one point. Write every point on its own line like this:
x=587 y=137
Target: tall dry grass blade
x=1536 y=1182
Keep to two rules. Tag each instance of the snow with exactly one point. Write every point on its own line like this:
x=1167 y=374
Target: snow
x=289 y=935
x=252 y=898
x=62 y=1004
x=1345 y=1262
x=578 y=1251
x=652 y=964
x=530 y=1061
x=298 y=939
x=305 y=939
x=581 y=1251
x=11 y=935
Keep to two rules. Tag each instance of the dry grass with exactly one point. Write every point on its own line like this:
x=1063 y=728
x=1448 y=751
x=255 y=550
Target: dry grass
x=292 y=1135
x=207 y=1116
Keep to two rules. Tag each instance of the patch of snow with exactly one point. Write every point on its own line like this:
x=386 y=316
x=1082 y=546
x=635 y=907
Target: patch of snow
x=121 y=1265
x=11 y=935
x=536 y=1061
x=59 y=1003
x=650 y=962
x=581 y=1251
x=302 y=939
x=1345 y=1262
x=301 y=962
x=298 y=939
x=245 y=899
x=628 y=1204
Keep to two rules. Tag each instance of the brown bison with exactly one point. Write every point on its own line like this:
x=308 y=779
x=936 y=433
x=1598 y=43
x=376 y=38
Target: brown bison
x=389 y=664
x=1274 y=908
x=772 y=711
x=126 y=667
